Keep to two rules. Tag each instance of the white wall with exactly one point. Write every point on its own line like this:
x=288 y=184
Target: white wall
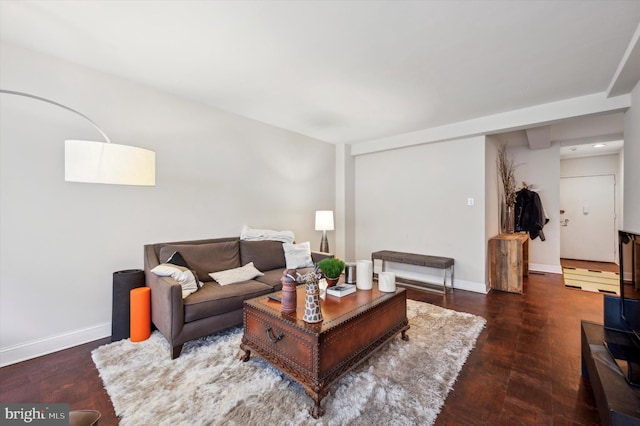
x=631 y=173
x=61 y=242
x=415 y=200
x=345 y=204
x=632 y=164
x=621 y=188
x=541 y=168
x=493 y=189
x=591 y=166
x=493 y=195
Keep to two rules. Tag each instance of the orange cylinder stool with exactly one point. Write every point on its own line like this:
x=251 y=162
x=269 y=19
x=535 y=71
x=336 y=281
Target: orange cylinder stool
x=140 y=314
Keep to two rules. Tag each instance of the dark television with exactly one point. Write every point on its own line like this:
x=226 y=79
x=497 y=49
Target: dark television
x=627 y=312
x=622 y=314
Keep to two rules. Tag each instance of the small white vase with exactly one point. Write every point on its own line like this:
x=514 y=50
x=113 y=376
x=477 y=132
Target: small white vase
x=364 y=275
x=387 y=282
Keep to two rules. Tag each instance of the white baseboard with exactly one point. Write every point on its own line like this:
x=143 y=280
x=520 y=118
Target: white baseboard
x=24 y=351
x=471 y=286
x=539 y=267
x=421 y=273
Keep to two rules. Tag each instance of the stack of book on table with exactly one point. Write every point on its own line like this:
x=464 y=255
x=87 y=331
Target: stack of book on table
x=341 y=290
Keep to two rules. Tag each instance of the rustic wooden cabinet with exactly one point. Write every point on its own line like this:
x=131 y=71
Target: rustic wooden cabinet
x=508 y=262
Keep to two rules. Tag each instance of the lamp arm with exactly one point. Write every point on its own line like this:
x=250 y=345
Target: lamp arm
x=13 y=92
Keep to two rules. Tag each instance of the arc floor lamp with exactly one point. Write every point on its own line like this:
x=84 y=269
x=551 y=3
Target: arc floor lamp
x=102 y=162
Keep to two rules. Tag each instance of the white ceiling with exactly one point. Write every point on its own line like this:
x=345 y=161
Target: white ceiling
x=591 y=149
x=341 y=71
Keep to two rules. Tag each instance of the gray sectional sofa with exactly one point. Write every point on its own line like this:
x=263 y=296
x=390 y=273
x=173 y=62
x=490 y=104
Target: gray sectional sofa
x=213 y=307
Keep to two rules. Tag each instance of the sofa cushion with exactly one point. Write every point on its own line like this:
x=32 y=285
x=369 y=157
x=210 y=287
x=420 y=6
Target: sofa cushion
x=265 y=255
x=214 y=299
x=236 y=275
x=272 y=278
x=205 y=258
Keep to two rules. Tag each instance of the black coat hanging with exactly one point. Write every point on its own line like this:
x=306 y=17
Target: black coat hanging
x=529 y=212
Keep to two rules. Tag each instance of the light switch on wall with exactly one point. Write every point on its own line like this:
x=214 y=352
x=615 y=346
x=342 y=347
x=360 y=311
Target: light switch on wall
x=470 y=201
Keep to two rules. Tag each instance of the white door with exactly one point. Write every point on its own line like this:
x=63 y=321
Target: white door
x=587 y=226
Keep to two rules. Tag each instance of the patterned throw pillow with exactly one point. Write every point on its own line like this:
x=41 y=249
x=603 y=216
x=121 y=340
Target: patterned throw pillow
x=177 y=259
x=183 y=275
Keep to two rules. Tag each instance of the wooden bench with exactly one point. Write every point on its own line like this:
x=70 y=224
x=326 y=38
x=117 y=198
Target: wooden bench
x=444 y=263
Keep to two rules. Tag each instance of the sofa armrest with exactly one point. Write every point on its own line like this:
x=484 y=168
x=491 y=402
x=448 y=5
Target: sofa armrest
x=317 y=256
x=167 y=307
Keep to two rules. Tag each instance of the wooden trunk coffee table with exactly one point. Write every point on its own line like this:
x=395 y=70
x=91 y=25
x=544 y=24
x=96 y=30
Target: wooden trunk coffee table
x=317 y=355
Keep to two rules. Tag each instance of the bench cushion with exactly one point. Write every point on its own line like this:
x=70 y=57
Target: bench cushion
x=413 y=259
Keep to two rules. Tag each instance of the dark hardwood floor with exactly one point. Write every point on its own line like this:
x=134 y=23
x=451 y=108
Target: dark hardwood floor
x=524 y=370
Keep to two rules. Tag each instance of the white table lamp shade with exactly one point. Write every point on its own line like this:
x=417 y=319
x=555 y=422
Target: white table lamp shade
x=100 y=162
x=324 y=220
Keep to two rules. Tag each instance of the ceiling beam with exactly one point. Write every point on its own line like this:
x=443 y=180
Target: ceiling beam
x=539 y=137
x=628 y=73
x=519 y=119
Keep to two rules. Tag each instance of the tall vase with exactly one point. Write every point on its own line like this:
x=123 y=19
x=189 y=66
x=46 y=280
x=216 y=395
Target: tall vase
x=508 y=226
x=289 y=294
x=364 y=275
x=312 y=310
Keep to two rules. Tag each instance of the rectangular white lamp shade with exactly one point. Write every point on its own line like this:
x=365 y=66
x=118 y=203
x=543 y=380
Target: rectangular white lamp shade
x=110 y=163
x=324 y=220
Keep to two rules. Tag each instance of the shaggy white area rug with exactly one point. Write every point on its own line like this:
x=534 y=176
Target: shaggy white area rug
x=404 y=383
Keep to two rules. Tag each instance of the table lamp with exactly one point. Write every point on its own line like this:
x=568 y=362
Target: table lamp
x=324 y=223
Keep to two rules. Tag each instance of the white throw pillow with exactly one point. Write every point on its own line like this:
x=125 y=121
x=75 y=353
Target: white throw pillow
x=236 y=275
x=250 y=234
x=298 y=255
x=183 y=275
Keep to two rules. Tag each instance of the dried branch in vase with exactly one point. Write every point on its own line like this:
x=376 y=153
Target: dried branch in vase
x=506 y=169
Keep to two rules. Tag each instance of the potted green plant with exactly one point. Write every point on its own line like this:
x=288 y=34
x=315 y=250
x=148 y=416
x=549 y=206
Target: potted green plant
x=331 y=268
